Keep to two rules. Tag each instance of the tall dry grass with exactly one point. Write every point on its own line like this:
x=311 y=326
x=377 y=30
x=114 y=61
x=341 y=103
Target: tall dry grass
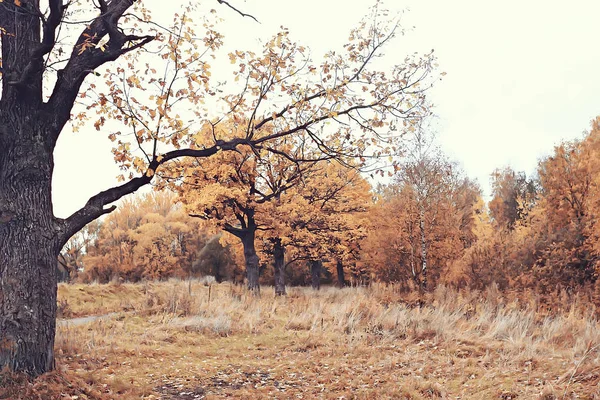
x=484 y=326
x=377 y=310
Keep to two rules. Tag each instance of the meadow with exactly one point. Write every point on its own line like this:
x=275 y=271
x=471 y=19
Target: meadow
x=195 y=340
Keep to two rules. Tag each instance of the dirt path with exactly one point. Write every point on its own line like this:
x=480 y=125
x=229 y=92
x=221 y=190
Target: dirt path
x=83 y=320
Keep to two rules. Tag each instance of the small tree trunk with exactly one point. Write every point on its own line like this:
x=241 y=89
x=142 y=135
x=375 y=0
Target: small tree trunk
x=340 y=274
x=413 y=269
x=423 y=249
x=315 y=274
x=279 y=255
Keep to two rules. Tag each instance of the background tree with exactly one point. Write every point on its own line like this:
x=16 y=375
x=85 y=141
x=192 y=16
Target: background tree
x=513 y=196
x=422 y=222
x=566 y=213
x=70 y=259
x=323 y=218
x=215 y=259
x=440 y=199
x=232 y=189
x=541 y=234
x=148 y=237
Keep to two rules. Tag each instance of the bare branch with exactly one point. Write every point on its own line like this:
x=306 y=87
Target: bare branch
x=236 y=10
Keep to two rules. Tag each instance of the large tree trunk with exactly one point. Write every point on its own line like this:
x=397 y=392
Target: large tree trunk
x=315 y=274
x=252 y=262
x=30 y=236
x=279 y=255
x=341 y=281
x=29 y=244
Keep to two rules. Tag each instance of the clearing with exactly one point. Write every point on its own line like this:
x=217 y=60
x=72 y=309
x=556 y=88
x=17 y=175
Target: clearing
x=185 y=340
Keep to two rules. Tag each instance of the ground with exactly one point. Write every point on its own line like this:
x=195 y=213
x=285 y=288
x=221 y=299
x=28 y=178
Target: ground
x=186 y=340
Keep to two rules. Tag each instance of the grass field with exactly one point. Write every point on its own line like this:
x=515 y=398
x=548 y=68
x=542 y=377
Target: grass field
x=185 y=340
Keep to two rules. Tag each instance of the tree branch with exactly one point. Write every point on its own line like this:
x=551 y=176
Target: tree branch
x=95 y=206
x=237 y=232
x=36 y=62
x=86 y=55
x=236 y=10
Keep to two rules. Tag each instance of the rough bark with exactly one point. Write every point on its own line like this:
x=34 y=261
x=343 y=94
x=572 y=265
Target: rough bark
x=279 y=255
x=341 y=280
x=246 y=232
x=30 y=236
x=315 y=274
x=29 y=246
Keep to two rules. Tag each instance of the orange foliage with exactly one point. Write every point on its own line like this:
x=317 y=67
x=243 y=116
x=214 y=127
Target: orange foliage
x=148 y=237
x=422 y=223
x=309 y=208
x=324 y=217
x=543 y=234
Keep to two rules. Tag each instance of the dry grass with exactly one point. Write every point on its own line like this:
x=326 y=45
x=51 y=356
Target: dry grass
x=185 y=340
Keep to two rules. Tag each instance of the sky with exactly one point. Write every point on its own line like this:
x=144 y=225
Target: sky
x=521 y=76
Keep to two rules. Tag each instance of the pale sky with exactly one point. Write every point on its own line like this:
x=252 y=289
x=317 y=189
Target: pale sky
x=521 y=77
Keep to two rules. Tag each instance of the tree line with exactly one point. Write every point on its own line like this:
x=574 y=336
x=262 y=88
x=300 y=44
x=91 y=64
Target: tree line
x=272 y=221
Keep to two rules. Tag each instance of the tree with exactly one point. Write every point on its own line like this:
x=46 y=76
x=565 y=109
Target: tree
x=310 y=206
x=565 y=226
x=514 y=195
x=323 y=217
x=433 y=185
x=543 y=233
x=216 y=260
x=422 y=222
x=148 y=237
x=71 y=256
x=232 y=189
x=341 y=89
